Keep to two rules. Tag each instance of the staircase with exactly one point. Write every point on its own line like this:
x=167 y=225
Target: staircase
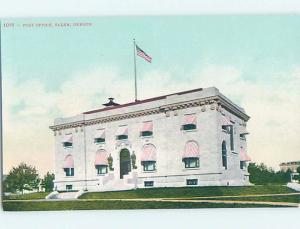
x=128 y=182
x=63 y=195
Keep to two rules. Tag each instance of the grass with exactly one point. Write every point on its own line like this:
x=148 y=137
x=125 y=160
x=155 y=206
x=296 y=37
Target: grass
x=188 y=192
x=283 y=198
x=113 y=205
x=28 y=196
x=89 y=202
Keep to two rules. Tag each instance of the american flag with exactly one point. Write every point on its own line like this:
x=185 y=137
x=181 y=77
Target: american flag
x=142 y=54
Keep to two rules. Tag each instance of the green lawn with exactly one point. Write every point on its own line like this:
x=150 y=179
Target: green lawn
x=29 y=196
x=112 y=205
x=11 y=203
x=188 y=192
x=283 y=198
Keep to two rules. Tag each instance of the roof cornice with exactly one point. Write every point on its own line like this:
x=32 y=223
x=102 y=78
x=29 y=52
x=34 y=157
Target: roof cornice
x=215 y=102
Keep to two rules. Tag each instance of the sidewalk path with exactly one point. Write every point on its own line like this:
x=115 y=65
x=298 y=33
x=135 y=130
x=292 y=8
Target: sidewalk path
x=188 y=200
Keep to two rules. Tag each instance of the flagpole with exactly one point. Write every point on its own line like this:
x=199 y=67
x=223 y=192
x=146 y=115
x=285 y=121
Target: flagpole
x=134 y=56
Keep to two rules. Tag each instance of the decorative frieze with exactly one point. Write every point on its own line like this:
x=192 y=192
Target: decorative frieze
x=175 y=112
x=123 y=144
x=214 y=103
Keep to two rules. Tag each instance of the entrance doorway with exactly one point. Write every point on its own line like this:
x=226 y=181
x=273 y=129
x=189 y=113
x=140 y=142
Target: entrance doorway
x=125 y=164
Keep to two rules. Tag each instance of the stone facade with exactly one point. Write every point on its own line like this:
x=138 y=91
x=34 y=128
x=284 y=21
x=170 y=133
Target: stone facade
x=169 y=140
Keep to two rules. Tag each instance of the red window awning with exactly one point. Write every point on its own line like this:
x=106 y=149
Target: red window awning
x=69 y=162
x=243 y=130
x=225 y=121
x=190 y=119
x=191 y=150
x=244 y=156
x=68 y=138
x=149 y=153
x=147 y=126
x=122 y=130
x=100 y=134
x=101 y=157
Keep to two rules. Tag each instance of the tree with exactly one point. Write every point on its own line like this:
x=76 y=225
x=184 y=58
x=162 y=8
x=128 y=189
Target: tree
x=47 y=182
x=261 y=174
x=23 y=177
x=298 y=171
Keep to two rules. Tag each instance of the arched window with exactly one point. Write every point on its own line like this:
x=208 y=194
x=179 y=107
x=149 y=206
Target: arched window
x=224 y=155
x=148 y=158
x=101 y=161
x=191 y=155
x=69 y=166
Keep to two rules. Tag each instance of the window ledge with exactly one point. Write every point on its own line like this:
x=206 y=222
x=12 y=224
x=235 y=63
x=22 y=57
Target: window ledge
x=225 y=131
x=142 y=137
x=99 y=143
x=123 y=140
x=153 y=171
x=194 y=130
x=187 y=169
x=101 y=175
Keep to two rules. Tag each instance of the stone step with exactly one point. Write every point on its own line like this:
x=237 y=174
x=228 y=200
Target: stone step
x=65 y=195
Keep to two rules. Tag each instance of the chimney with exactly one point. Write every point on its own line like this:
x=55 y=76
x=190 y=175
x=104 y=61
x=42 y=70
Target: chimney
x=110 y=103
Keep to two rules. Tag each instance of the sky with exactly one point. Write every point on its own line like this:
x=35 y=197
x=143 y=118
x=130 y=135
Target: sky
x=50 y=72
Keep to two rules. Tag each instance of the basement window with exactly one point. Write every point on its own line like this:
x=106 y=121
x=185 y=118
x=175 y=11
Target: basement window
x=192 y=182
x=148 y=184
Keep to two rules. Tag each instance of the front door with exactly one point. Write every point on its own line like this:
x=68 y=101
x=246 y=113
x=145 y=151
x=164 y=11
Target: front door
x=125 y=164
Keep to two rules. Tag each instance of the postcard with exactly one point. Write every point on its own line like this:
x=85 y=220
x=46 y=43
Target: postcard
x=150 y=112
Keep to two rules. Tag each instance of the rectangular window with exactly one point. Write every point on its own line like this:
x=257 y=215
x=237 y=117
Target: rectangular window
x=226 y=128
x=190 y=122
x=192 y=162
x=224 y=161
x=149 y=165
x=146 y=133
x=243 y=137
x=148 y=183
x=68 y=144
x=242 y=164
x=122 y=137
x=99 y=140
x=231 y=139
x=69 y=187
x=147 y=129
x=69 y=172
x=101 y=169
x=192 y=182
x=189 y=127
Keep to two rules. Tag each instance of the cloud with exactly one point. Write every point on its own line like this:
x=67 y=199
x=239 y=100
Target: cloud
x=273 y=106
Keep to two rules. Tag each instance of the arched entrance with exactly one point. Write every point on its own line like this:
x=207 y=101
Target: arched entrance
x=125 y=163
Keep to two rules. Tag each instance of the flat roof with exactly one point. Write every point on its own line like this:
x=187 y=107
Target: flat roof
x=141 y=101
